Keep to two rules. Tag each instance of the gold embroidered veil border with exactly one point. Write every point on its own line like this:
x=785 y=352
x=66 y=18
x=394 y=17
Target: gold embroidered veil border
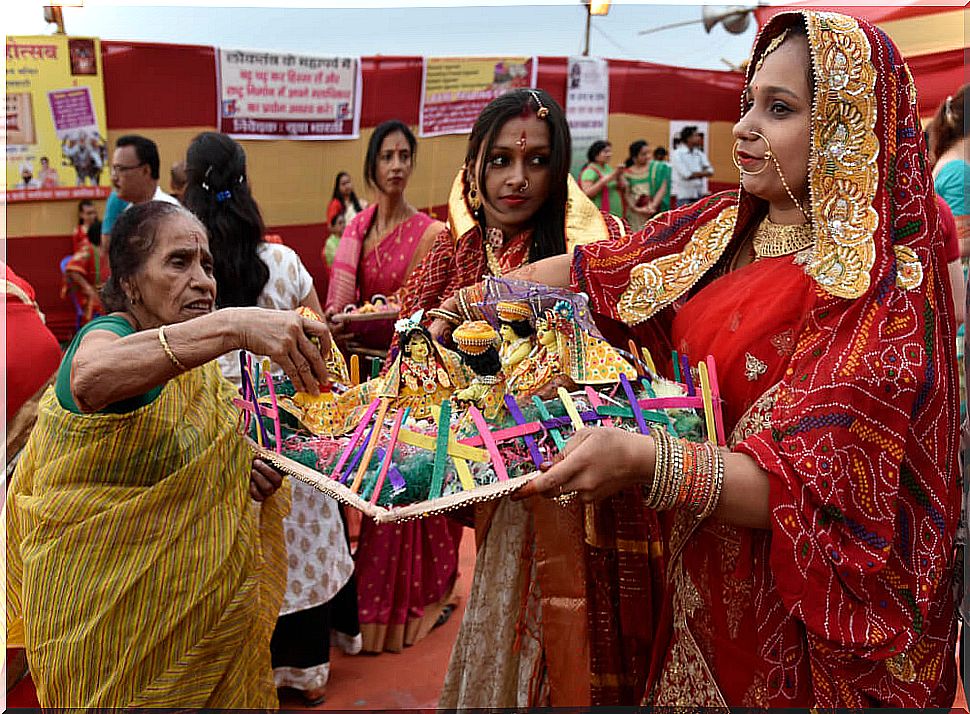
x=584 y=222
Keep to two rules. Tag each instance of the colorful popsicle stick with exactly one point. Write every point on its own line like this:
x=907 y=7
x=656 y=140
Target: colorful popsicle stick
x=441 y=450
x=688 y=377
x=498 y=463
x=461 y=466
x=354 y=369
x=567 y=401
x=637 y=414
x=455 y=448
x=358 y=432
x=554 y=433
x=648 y=360
x=708 y=402
x=596 y=402
x=399 y=418
x=716 y=399
x=372 y=444
x=636 y=358
x=530 y=443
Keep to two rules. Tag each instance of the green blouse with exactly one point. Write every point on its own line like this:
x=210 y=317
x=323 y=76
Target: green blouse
x=62 y=387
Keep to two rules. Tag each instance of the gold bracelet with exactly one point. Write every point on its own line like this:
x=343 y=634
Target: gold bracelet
x=168 y=350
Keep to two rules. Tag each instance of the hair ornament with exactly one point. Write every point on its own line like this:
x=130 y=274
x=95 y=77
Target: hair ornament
x=223 y=196
x=407 y=325
x=772 y=46
x=543 y=111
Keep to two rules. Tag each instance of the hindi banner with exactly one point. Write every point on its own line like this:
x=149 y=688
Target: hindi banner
x=56 y=124
x=268 y=95
x=587 y=106
x=454 y=90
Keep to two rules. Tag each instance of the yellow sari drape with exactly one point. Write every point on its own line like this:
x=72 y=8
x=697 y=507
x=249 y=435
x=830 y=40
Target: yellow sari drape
x=140 y=573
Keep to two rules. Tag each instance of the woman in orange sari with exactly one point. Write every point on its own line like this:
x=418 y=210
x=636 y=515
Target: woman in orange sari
x=811 y=563
x=532 y=634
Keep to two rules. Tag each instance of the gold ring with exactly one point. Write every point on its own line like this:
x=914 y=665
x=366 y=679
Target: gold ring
x=564 y=499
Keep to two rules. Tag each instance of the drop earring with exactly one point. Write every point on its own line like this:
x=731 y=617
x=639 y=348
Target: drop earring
x=474 y=198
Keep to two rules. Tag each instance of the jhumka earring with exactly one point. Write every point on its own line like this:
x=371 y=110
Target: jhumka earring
x=474 y=198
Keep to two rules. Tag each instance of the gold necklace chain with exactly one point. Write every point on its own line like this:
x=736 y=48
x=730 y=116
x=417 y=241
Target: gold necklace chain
x=493 y=263
x=773 y=240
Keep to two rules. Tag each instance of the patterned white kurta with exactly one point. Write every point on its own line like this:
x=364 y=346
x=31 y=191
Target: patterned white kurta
x=319 y=561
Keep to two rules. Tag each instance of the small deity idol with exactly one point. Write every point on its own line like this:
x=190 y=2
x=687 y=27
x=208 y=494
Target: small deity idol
x=517 y=332
x=543 y=362
x=477 y=344
x=424 y=373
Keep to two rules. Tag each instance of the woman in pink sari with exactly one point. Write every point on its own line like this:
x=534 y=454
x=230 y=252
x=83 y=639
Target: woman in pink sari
x=384 y=242
x=405 y=572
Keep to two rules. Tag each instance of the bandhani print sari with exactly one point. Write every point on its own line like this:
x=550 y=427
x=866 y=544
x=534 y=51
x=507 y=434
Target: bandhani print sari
x=836 y=376
x=559 y=609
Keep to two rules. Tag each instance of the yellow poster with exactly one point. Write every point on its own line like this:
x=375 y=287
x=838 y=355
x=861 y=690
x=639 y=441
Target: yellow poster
x=56 y=125
x=455 y=89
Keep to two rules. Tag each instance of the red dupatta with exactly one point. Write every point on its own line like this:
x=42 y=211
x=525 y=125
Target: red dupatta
x=861 y=437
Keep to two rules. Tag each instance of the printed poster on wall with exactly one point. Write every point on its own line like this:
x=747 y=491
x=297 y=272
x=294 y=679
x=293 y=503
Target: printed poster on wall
x=267 y=95
x=56 y=125
x=587 y=106
x=454 y=90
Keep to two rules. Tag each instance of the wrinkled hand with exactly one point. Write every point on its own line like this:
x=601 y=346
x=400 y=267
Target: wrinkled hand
x=340 y=331
x=264 y=480
x=596 y=463
x=284 y=336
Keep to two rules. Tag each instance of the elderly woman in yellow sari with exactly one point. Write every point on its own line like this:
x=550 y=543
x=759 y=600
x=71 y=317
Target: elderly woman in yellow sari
x=139 y=571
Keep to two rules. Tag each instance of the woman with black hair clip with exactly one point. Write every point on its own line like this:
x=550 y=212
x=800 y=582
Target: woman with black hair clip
x=250 y=270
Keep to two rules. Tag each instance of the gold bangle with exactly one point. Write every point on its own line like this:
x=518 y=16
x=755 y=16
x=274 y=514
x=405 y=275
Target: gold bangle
x=168 y=350
x=447 y=315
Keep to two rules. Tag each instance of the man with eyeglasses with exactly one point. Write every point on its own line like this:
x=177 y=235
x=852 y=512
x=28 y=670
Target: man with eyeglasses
x=134 y=170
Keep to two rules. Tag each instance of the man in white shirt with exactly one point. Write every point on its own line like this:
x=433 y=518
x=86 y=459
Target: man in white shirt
x=691 y=167
x=134 y=170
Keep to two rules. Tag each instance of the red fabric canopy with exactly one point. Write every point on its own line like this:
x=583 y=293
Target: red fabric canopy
x=874 y=14
x=166 y=86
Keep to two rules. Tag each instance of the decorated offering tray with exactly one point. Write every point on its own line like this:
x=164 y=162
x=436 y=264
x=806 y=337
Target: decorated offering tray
x=377 y=308
x=444 y=429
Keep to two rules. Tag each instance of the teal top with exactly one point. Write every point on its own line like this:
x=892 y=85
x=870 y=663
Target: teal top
x=593 y=174
x=112 y=209
x=62 y=387
x=657 y=173
x=952 y=183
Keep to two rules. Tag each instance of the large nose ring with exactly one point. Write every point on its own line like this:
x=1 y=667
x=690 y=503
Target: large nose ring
x=767 y=157
x=524 y=187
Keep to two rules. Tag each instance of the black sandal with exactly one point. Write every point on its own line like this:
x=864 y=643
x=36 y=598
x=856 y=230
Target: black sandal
x=445 y=615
